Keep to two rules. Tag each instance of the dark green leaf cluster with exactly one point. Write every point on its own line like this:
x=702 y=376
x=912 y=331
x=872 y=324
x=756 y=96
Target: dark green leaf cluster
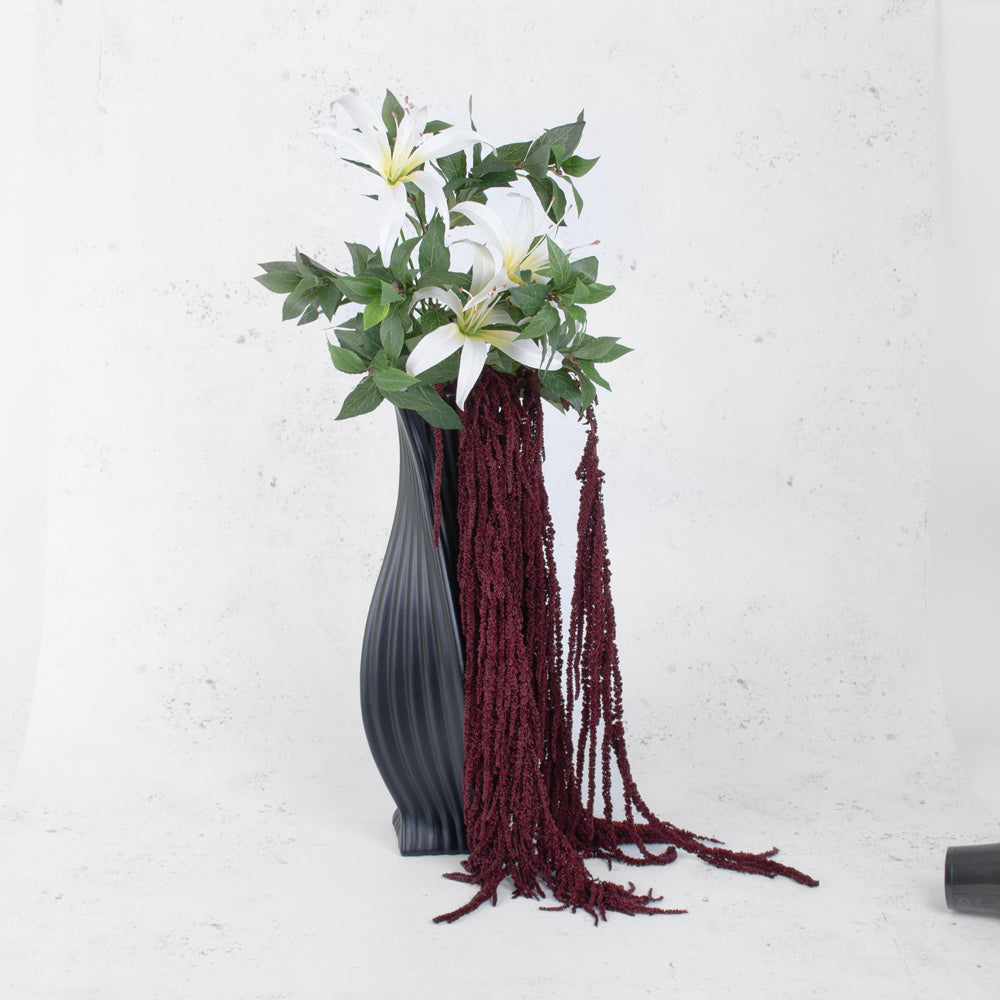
x=373 y=342
x=390 y=318
x=555 y=313
x=308 y=287
x=547 y=163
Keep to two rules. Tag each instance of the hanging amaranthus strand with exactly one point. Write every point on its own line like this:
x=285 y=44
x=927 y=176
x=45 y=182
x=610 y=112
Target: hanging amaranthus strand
x=530 y=777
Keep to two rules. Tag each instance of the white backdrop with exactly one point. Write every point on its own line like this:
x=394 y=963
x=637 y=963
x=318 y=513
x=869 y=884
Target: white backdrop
x=191 y=810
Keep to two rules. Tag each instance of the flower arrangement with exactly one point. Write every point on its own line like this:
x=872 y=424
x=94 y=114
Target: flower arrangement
x=470 y=285
x=469 y=270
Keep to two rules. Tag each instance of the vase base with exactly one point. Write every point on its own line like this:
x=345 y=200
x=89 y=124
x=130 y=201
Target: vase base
x=419 y=837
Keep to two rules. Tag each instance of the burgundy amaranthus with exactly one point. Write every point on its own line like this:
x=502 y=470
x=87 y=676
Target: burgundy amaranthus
x=544 y=740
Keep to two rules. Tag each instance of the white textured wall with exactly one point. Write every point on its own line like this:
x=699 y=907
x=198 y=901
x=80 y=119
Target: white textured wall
x=965 y=458
x=195 y=806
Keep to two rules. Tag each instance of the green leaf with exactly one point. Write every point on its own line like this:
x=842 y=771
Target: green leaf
x=378 y=272
x=561 y=382
x=310 y=315
x=529 y=297
x=392 y=113
x=433 y=254
x=586 y=267
x=577 y=166
x=546 y=320
x=436 y=125
x=279 y=281
x=354 y=337
x=425 y=401
x=399 y=264
x=434 y=317
x=390 y=294
x=360 y=256
x=501 y=362
x=393 y=380
x=363 y=398
x=513 y=152
x=362 y=290
x=444 y=279
x=559 y=268
x=443 y=372
x=536 y=163
x=594 y=348
x=454 y=166
x=588 y=392
x=498 y=180
x=567 y=136
x=392 y=332
x=619 y=350
x=590 y=370
x=492 y=165
x=587 y=294
x=576 y=312
x=347 y=361
x=554 y=399
x=300 y=297
x=563 y=335
x=417 y=206
x=309 y=266
x=557 y=213
x=290 y=266
x=375 y=312
x=330 y=300
x=548 y=194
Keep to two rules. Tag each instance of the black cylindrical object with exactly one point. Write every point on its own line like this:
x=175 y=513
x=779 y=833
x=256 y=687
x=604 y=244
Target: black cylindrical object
x=972 y=878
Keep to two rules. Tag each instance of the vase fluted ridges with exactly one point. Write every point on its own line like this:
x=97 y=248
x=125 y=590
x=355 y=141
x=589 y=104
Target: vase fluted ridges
x=412 y=682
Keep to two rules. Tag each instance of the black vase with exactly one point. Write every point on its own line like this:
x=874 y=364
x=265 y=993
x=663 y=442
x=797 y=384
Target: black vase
x=412 y=666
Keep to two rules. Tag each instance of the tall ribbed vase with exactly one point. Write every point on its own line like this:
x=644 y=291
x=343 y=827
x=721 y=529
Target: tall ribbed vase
x=412 y=667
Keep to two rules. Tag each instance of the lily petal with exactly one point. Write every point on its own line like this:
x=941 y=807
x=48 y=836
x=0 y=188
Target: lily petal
x=520 y=248
x=486 y=273
x=361 y=112
x=434 y=196
x=445 y=295
x=487 y=220
x=535 y=259
x=392 y=199
x=474 y=352
x=435 y=347
x=525 y=224
x=499 y=315
x=529 y=353
x=407 y=137
x=363 y=115
x=449 y=140
x=551 y=362
x=364 y=150
x=419 y=116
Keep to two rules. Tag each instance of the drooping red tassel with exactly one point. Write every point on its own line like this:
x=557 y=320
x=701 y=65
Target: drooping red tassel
x=530 y=776
x=436 y=492
x=594 y=669
x=438 y=465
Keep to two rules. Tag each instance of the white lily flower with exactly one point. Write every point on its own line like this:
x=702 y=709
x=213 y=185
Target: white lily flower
x=401 y=162
x=520 y=248
x=474 y=329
